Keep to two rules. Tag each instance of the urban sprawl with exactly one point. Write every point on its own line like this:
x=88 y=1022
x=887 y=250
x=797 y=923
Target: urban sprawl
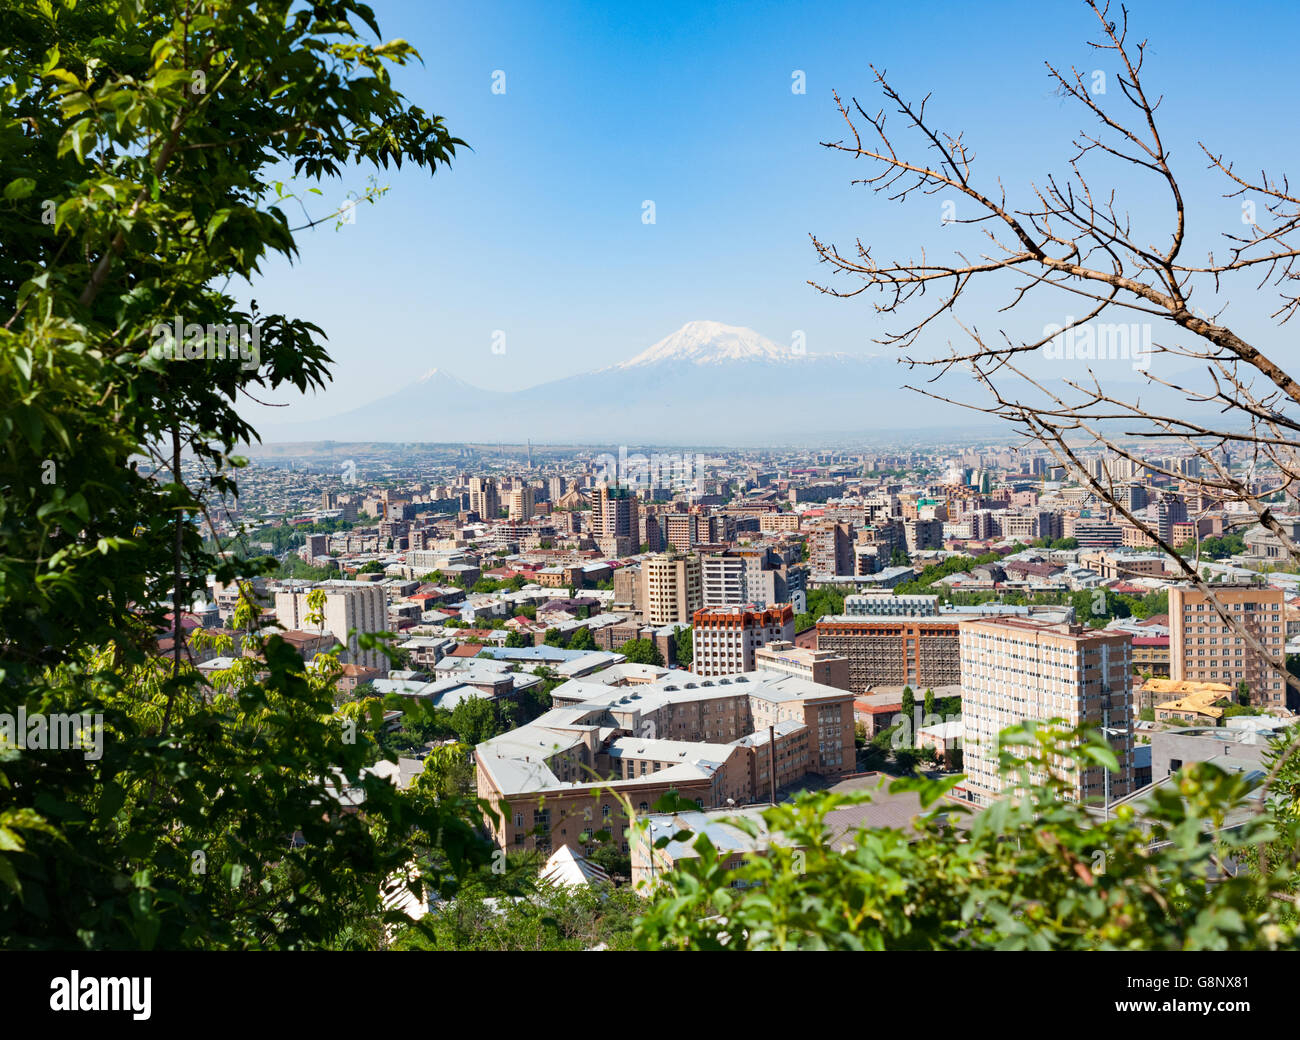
x=729 y=627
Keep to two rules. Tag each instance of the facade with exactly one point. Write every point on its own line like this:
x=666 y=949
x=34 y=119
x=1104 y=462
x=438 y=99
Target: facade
x=1031 y=524
x=919 y=652
x=830 y=549
x=317 y=547
x=1093 y=533
x=684 y=531
x=522 y=504
x=1151 y=656
x=562 y=777
x=886 y=604
x=627 y=588
x=1015 y=669
x=1263 y=545
x=1203 y=648
x=614 y=520
x=1112 y=565
x=349 y=605
x=484 y=497
x=772 y=523
x=671 y=589
x=725 y=639
x=819 y=666
x=923 y=534
x=741 y=576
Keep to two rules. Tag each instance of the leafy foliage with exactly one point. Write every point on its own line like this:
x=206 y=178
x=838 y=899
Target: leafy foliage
x=1034 y=872
x=642 y=651
x=142 y=145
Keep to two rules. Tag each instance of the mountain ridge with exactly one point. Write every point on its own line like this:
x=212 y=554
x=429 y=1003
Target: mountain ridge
x=707 y=382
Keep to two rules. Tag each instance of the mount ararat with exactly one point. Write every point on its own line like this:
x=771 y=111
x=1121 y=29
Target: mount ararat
x=707 y=383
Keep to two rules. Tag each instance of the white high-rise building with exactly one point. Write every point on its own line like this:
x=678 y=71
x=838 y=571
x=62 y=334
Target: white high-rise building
x=1015 y=669
x=739 y=576
x=522 y=503
x=670 y=589
x=350 y=607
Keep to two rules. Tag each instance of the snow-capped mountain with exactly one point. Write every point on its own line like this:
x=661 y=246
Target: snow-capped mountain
x=707 y=383
x=712 y=343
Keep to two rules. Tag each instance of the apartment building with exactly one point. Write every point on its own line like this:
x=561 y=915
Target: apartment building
x=683 y=531
x=627 y=588
x=317 y=547
x=922 y=534
x=921 y=652
x=1031 y=524
x=774 y=523
x=650 y=532
x=484 y=497
x=1124 y=564
x=350 y=607
x=819 y=666
x=725 y=638
x=614 y=519
x=887 y=604
x=523 y=503
x=1092 y=533
x=671 y=589
x=739 y=576
x=830 y=549
x=880 y=540
x=1014 y=669
x=1203 y=648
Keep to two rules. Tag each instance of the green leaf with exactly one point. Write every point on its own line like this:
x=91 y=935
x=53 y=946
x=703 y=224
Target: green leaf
x=19 y=188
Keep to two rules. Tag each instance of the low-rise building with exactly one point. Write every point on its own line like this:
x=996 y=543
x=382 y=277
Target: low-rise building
x=819 y=666
x=570 y=772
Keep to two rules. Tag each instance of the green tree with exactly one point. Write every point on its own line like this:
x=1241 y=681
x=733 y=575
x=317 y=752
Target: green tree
x=540 y=918
x=928 y=706
x=475 y=720
x=684 y=647
x=642 y=651
x=155 y=141
x=909 y=705
x=447 y=773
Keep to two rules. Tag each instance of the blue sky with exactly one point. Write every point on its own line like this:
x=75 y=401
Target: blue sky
x=538 y=232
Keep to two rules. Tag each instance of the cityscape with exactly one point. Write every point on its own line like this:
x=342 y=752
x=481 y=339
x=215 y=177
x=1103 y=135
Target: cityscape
x=899 y=582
